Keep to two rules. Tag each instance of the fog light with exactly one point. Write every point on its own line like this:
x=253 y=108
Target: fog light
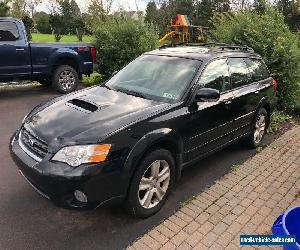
x=80 y=196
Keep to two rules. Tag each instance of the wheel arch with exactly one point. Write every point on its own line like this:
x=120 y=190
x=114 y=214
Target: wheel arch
x=66 y=58
x=164 y=138
x=265 y=103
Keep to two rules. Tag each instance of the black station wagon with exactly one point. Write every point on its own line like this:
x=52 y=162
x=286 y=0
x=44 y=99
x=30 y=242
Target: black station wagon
x=128 y=140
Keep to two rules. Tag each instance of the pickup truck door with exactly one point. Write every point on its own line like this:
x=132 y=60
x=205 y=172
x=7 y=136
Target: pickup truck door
x=14 y=52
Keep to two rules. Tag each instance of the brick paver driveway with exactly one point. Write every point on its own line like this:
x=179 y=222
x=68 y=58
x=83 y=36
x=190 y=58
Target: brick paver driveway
x=245 y=201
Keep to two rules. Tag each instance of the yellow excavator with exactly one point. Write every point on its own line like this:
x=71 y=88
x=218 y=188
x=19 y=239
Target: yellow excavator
x=180 y=29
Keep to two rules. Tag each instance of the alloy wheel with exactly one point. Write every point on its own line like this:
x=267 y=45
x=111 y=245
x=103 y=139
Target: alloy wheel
x=260 y=126
x=66 y=80
x=154 y=184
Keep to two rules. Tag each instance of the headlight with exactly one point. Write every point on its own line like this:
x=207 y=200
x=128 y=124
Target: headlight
x=77 y=155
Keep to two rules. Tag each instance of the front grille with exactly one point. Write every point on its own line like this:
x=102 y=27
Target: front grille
x=34 y=144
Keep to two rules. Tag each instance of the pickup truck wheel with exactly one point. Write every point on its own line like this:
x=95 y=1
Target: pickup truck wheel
x=65 y=79
x=151 y=184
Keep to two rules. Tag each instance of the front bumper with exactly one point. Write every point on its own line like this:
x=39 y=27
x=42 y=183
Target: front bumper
x=103 y=183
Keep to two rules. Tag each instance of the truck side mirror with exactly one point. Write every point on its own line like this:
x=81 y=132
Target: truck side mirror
x=207 y=94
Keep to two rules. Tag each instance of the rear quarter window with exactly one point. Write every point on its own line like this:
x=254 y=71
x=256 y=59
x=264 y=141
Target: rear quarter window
x=8 y=32
x=239 y=72
x=258 y=69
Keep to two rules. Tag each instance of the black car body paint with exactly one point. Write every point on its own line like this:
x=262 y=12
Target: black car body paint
x=134 y=126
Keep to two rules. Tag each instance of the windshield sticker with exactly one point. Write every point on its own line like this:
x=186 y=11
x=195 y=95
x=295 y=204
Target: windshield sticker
x=170 y=96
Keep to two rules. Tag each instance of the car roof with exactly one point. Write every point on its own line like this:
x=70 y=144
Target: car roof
x=205 y=52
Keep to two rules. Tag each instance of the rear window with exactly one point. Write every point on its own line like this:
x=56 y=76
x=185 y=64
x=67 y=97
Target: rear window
x=8 y=32
x=258 y=69
x=239 y=72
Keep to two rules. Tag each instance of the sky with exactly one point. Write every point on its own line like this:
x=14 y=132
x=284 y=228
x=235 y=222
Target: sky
x=125 y=4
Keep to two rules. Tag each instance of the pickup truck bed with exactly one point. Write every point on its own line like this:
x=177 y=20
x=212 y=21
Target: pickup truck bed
x=59 y=64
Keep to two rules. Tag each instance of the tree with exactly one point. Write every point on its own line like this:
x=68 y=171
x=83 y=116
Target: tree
x=32 y=5
x=18 y=8
x=151 y=15
x=95 y=15
x=260 y=6
x=80 y=27
x=291 y=12
x=222 y=5
x=57 y=25
x=184 y=7
x=4 y=8
x=42 y=22
x=70 y=12
x=204 y=12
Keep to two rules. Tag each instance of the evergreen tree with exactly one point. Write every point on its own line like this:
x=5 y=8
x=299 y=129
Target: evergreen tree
x=151 y=13
x=70 y=13
x=204 y=12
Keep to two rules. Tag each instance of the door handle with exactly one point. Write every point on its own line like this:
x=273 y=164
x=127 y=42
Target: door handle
x=20 y=50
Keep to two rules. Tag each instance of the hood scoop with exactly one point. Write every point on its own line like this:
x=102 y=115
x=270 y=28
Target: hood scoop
x=83 y=105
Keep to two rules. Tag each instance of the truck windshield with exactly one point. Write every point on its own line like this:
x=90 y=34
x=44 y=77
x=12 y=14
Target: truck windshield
x=159 y=78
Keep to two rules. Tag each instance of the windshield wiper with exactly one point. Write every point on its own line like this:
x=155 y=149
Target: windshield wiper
x=131 y=92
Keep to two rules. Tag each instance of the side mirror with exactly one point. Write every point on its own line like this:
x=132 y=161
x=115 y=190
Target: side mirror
x=207 y=94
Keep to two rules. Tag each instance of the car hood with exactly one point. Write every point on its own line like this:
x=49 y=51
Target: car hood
x=88 y=116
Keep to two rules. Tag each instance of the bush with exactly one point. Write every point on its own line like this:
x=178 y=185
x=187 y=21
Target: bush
x=269 y=36
x=120 y=40
x=93 y=79
x=277 y=118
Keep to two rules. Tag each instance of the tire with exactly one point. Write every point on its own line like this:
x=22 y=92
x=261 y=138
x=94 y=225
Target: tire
x=65 y=79
x=137 y=203
x=258 y=128
x=45 y=82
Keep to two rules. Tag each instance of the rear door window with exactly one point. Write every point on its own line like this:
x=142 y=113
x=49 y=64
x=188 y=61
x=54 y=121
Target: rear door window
x=8 y=32
x=239 y=72
x=258 y=69
x=216 y=76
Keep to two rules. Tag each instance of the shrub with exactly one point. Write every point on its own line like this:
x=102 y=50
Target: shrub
x=93 y=79
x=269 y=36
x=120 y=40
x=277 y=118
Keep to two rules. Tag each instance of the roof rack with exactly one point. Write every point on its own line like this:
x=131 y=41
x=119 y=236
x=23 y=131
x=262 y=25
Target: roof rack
x=219 y=46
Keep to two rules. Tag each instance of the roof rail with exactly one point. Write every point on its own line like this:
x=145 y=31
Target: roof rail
x=220 y=46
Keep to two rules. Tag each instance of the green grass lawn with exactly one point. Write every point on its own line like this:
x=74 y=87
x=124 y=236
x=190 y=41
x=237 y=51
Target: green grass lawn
x=65 y=38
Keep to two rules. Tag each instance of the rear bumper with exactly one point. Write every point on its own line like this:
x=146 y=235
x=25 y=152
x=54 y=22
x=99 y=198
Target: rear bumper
x=103 y=183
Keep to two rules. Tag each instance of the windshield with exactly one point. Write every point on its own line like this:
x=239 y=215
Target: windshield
x=159 y=78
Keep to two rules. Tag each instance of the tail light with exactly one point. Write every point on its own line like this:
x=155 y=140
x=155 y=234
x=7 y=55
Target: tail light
x=93 y=54
x=275 y=84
